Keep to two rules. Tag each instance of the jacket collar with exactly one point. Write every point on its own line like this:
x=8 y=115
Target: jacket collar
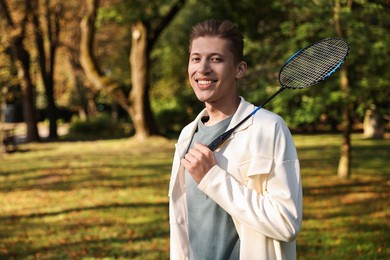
x=243 y=110
x=187 y=133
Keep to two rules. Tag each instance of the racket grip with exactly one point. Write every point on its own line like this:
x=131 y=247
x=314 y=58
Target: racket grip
x=220 y=140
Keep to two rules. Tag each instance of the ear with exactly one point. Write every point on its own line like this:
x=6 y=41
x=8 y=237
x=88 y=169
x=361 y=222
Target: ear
x=241 y=69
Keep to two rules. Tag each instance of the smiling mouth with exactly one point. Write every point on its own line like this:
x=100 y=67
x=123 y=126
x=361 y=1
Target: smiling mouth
x=205 y=82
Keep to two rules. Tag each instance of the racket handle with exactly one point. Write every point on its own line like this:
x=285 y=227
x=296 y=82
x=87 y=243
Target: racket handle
x=220 y=140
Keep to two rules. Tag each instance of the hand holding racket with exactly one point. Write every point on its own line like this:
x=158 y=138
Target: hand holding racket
x=305 y=68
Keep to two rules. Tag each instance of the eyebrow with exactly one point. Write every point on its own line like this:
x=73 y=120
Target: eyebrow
x=211 y=54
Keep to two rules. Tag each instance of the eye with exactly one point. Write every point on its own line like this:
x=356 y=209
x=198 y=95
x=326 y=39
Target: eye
x=195 y=59
x=216 y=59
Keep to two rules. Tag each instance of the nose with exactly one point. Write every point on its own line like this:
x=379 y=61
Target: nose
x=204 y=67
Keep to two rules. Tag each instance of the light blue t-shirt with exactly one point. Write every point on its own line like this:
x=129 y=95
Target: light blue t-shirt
x=212 y=233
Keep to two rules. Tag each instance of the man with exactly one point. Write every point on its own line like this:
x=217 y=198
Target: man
x=243 y=201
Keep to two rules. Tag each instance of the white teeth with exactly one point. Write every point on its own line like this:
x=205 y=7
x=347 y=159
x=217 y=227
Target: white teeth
x=204 y=82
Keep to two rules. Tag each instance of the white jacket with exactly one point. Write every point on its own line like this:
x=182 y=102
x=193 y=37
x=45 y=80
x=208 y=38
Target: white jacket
x=256 y=180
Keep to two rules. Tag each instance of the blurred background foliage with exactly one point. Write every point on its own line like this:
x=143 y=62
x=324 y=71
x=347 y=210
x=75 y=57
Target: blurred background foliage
x=273 y=31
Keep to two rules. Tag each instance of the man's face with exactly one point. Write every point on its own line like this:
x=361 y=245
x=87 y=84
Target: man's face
x=211 y=69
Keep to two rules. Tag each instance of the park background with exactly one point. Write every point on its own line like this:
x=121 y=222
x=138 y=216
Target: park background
x=95 y=93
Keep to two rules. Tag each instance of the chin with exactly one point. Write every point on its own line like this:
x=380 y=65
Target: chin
x=201 y=97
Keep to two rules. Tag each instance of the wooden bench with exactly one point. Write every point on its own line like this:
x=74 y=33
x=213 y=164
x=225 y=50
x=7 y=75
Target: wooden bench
x=9 y=140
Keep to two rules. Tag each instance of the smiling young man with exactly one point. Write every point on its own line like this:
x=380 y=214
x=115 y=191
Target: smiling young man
x=243 y=201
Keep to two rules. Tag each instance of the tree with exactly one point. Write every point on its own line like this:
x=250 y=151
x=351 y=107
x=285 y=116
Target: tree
x=7 y=81
x=73 y=91
x=46 y=24
x=146 y=27
x=344 y=167
x=3 y=94
x=17 y=33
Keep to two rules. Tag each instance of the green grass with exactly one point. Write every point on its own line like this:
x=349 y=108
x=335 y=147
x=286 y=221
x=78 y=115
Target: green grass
x=108 y=199
x=344 y=219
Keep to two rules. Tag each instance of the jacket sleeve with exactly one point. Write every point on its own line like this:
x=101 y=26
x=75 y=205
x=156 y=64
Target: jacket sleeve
x=271 y=201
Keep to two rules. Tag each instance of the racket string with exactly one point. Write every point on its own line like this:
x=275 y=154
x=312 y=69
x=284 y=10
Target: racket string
x=314 y=63
x=305 y=69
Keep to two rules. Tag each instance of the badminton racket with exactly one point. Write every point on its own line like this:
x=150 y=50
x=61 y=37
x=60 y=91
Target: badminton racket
x=305 y=68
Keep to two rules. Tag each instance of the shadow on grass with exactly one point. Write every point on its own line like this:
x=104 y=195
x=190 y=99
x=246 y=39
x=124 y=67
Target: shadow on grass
x=66 y=178
x=345 y=219
x=133 y=205
x=57 y=180
x=345 y=188
x=112 y=239
x=113 y=248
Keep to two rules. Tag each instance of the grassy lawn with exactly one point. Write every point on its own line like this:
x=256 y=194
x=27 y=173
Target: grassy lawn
x=108 y=199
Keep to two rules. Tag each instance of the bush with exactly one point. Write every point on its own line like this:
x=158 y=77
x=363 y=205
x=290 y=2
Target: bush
x=101 y=125
x=171 y=121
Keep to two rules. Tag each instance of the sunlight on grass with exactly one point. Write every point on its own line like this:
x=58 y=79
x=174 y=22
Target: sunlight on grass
x=95 y=199
x=344 y=219
x=108 y=199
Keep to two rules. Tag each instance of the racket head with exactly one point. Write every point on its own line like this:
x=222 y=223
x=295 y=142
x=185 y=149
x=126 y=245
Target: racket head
x=313 y=63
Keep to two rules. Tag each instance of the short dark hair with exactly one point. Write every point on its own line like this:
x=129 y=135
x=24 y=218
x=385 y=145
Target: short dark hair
x=223 y=29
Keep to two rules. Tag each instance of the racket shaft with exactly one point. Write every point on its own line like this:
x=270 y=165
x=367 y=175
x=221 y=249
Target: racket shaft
x=220 y=139
x=223 y=137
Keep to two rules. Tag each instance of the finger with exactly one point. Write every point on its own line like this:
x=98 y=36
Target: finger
x=189 y=165
x=185 y=163
x=201 y=147
x=191 y=156
x=204 y=152
x=195 y=154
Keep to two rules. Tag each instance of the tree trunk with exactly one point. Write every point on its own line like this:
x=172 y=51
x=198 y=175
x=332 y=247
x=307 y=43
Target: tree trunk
x=88 y=61
x=373 y=127
x=140 y=111
x=28 y=97
x=3 y=107
x=22 y=61
x=344 y=168
x=137 y=104
x=76 y=78
x=52 y=32
x=47 y=43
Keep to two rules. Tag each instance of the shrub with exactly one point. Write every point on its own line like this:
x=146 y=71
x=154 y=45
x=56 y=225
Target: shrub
x=101 y=125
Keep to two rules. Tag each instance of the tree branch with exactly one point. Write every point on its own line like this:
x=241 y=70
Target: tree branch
x=7 y=14
x=384 y=3
x=165 y=22
x=88 y=60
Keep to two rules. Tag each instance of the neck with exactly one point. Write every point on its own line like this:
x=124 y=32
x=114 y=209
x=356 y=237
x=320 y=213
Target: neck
x=221 y=112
